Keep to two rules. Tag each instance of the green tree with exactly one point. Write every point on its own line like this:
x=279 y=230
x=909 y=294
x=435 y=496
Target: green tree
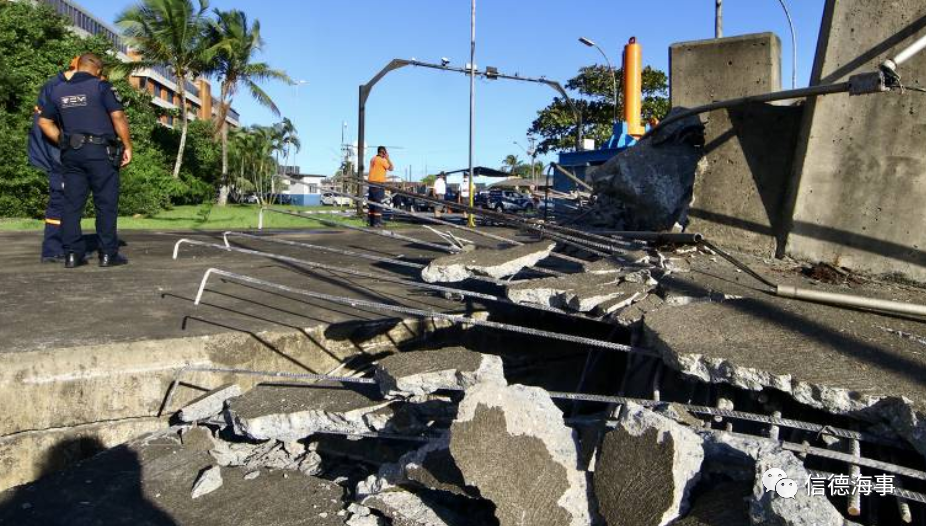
x=169 y=33
x=233 y=44
x=593 y=95
x=510 y=163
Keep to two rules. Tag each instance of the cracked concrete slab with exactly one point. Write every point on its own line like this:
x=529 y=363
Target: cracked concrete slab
x=726 y=504
x=645 y=469
x=827 y=358
x=271 y=454
x=500 y=431
x=485 y=262
x=633 y=314
x=405 y=508
x=424 y=372
x=290 y=413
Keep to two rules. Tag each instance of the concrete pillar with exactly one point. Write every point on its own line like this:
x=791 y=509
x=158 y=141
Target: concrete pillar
x=740 y=188
x=859 y=199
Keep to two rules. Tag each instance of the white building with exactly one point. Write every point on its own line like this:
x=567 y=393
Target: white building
x=305 y=190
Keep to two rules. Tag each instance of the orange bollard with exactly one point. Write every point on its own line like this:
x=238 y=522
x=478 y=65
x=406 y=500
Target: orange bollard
x=633 y=88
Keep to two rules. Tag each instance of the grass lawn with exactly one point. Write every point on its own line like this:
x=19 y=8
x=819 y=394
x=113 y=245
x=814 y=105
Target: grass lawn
x=203 y=217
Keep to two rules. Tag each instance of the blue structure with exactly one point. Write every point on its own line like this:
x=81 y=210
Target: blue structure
x=579 y=162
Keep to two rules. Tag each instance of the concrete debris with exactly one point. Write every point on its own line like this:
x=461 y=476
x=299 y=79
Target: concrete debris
x=425 y=372
x=270 y=454
x=405 y=508
x=630 y=293
x=197 y=438
x=431 y=467
x=649 y=186
x=603 y=266
x=498 y=432
x=635 y=313
x=724 y=504
x=484 y=262
x=362 y=516
x=209 y=404
x=578 y=292
x=768 y=507
x=209 y=480
x=293 y=413
x=646 y=468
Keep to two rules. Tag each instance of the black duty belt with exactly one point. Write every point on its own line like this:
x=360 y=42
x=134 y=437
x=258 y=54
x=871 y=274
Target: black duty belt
x=76 y=141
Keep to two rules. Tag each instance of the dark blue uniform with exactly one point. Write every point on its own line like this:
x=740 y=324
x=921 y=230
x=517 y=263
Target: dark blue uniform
x=82 y=107
x=44 y=155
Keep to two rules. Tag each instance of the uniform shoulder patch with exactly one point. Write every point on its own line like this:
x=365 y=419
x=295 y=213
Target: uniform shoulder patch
x=106 y=85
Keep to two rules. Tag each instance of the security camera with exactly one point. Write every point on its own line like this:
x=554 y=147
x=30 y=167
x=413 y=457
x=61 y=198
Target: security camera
x=444 y=61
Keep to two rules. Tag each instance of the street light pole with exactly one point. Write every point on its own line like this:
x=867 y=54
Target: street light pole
x=472 y=103
x=589 y=43
x=718 y=19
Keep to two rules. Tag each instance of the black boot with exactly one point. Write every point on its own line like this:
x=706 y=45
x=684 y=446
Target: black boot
x=73 y=260
x=113 y=260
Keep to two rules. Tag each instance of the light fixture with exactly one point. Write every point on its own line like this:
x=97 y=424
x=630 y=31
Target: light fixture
x=586 y=41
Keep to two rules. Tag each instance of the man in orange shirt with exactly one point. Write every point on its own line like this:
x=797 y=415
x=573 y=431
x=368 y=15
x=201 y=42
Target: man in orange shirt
x=378 y=168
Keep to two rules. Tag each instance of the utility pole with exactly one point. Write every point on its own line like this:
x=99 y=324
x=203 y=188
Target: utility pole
x=718 y=20
x=472 y=103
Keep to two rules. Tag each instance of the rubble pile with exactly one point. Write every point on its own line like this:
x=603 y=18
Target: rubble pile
x=649 y=187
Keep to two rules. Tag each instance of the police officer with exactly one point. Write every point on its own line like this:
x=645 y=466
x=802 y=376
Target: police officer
x=95 y=142
x=44 y=155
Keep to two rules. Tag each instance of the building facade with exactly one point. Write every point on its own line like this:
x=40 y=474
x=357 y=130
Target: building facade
x=158 y=81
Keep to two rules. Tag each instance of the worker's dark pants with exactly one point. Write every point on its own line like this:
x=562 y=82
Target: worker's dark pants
x=52 y=244
x=85 y=170
x=376 y=195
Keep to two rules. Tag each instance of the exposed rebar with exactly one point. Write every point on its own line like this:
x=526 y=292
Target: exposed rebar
x=454 y=318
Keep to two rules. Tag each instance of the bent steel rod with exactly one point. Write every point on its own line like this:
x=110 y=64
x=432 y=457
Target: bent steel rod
x=706 y=410
x=451 y=224
x=385 y=277
x=381 y=233
x=454 y=318
x=269 y=255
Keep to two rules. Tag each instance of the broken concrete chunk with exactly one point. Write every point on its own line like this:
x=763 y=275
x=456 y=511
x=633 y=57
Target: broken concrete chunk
x=726 y=504
x=646 y=468
x=770 y=507
x=361 y=516
x=209 y=404
x=630 y=293
x=292 y=413
x=511 y=444
x=405 y=508
x=603 y=266
x=424 y=372
x=270 y=455
x=581 y=292
x=197 y=438
x=209 y=480
x=484 y=262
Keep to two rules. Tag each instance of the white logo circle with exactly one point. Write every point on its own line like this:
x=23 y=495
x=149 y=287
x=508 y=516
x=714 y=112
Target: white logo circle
x=771 y=477
x=786 y=488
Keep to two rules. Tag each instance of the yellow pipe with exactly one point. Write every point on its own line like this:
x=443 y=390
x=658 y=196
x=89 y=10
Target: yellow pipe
x=633 y=88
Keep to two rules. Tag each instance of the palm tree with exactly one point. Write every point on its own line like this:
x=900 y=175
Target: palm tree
x=288 y=140
x=168 y=33
x=510 y=163
x=232 y=45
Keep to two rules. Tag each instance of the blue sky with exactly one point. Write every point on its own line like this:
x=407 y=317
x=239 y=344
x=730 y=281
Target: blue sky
x=336 y=45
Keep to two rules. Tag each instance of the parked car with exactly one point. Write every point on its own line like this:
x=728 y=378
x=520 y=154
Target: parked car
x=329 y=199
x=509 y=201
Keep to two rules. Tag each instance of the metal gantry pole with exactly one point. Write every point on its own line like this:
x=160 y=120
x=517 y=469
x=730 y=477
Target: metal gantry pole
x=471 y=220
x=718 y=19
x=787 y=11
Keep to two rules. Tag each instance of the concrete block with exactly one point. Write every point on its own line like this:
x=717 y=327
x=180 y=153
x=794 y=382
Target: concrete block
x=858 y=202
x=209 y=404
x=424 y=372
x=579 y=292
x=738 y=196
x=293 y=413
x=511 y=444
x=705 y=71
x=484 y=262
x=646 y=468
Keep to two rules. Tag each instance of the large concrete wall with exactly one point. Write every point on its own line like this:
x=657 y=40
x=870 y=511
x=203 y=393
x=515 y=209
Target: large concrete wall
x=739 y=192
x=860 y=198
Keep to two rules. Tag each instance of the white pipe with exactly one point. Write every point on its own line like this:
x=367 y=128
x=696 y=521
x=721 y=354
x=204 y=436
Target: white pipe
x=849 y=300
x=910 y=51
